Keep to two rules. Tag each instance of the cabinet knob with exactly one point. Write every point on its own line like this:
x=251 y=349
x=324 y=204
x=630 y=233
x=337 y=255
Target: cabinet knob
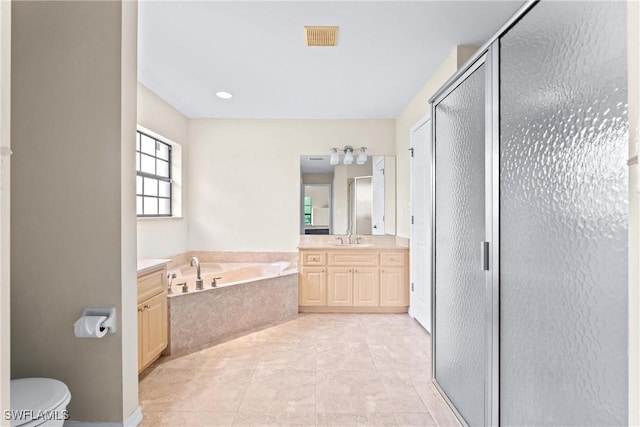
x=140 y=309
x=147 y=306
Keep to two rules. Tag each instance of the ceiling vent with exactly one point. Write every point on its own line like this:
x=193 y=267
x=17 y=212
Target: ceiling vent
x=321 y=36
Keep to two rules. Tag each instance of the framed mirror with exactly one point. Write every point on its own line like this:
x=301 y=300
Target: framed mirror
x=336 y=199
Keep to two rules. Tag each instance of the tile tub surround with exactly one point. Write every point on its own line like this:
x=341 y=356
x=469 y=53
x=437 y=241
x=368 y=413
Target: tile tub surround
x=314 y=370
x=203 y=318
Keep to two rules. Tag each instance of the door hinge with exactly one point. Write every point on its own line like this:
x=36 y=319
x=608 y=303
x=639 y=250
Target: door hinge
x=411 y=150
x=411 y=286
x=411 y=219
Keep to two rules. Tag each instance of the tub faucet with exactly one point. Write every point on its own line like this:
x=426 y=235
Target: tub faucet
x=199 y=281
x=171 y=276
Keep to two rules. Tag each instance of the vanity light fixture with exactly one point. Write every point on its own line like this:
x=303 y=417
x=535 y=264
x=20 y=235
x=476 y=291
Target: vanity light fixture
x=362 y=157
x=348 y=156
x=335 y=159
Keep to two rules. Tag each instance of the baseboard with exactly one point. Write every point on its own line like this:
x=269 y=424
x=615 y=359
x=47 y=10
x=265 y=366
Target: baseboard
x=134 y=419
x=350 y=309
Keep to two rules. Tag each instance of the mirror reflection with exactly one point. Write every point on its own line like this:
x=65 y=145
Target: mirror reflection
x=343 y=199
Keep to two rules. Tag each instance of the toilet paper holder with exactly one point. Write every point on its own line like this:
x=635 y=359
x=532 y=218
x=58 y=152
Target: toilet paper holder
x=109 y=312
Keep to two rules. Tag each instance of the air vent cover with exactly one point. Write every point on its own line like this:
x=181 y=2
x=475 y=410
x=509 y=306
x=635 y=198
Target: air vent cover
x=321 y=36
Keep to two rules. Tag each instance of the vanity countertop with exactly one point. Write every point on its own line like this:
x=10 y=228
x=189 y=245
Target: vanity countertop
x=148 y=265
x=363 y=246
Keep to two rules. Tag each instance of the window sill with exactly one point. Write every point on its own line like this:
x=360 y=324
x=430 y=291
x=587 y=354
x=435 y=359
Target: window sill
x=159 y=218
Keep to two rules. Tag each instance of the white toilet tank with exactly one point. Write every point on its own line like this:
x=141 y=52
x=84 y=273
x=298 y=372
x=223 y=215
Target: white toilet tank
x=38 y=402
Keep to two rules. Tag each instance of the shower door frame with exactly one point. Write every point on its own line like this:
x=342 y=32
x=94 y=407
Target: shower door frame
x=488 y=55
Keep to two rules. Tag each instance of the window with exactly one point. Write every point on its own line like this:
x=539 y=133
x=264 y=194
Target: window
x=307 y=210
x=153 y=180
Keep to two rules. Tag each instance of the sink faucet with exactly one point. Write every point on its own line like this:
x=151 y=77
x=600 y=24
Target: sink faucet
x=349 y=236
x=199 y=281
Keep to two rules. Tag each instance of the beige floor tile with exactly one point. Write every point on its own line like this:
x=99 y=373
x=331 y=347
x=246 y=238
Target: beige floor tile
x=431 y=398
x=276 y=391
x=246 y=419
x=338 y=317
x=401 y=392
x=148 y=419
x=340 y=332
x=288 y=355
x=219 y=390
x=415 y=420
x=194 y=419
x=233 y=355
x=397 y=356
x=445 y=419
x=355 y=420
x=351 y=392
x=344 y=356
x=330 y=369
x=160 y=385
x=290 y=333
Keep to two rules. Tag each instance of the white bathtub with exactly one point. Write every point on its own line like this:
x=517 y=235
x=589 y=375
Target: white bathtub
x=227 y=274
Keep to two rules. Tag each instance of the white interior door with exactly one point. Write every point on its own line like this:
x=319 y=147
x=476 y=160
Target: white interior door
x=378 y=196
x=421 y=228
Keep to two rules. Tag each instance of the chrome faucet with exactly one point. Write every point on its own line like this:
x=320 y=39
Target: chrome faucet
x=199 y=281
x=349 y=235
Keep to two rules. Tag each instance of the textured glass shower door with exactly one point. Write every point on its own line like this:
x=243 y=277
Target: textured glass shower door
x=563 y=216
x=459 y=283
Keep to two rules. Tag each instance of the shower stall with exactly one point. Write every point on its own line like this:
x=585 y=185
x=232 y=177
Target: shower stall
x=529 y=222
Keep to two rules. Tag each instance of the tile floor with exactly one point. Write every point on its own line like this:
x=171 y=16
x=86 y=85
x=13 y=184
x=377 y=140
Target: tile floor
x=315 y=370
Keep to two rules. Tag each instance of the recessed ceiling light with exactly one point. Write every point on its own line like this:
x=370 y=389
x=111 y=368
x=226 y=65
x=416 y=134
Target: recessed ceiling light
x=224 y=95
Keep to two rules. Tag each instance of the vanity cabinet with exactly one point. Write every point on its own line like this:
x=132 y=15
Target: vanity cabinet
x=152 y=317
x=354 y=280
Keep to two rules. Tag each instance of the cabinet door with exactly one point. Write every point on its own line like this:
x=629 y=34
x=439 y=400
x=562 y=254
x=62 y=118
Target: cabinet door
x=340 y=286
x=313 y=286
x=366 y=289
x=394 y=289
x=156 y=326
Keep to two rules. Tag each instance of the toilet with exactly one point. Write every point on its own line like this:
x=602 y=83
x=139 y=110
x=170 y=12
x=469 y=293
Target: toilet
x=38 y=402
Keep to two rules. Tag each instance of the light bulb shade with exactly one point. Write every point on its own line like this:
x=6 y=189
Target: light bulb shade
x=348 y=156
x=362 y=156
x=335 y=159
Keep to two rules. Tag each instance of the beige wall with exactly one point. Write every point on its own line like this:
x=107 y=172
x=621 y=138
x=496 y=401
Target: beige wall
x=73 y=217
x=317 y=178
x=161 y=237
x=263 y=159
x=634 y=211
x=417 y=108
x=5 y=133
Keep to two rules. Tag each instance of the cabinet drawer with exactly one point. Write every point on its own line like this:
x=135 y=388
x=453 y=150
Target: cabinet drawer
x=351 y=259
x=151 y=284
x=313 y=258
x=393 y=259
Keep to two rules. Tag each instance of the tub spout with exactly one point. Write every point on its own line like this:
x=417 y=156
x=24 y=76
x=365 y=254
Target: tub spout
x=199 y=281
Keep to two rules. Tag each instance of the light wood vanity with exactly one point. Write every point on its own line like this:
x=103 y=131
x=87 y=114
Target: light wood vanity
x=354 y=279
x=152 y=312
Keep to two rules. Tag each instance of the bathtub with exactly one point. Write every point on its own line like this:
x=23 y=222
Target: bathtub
x=248 y=297
x=226 y=274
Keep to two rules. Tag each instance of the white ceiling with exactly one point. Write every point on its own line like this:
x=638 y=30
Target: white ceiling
x=386 y=51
